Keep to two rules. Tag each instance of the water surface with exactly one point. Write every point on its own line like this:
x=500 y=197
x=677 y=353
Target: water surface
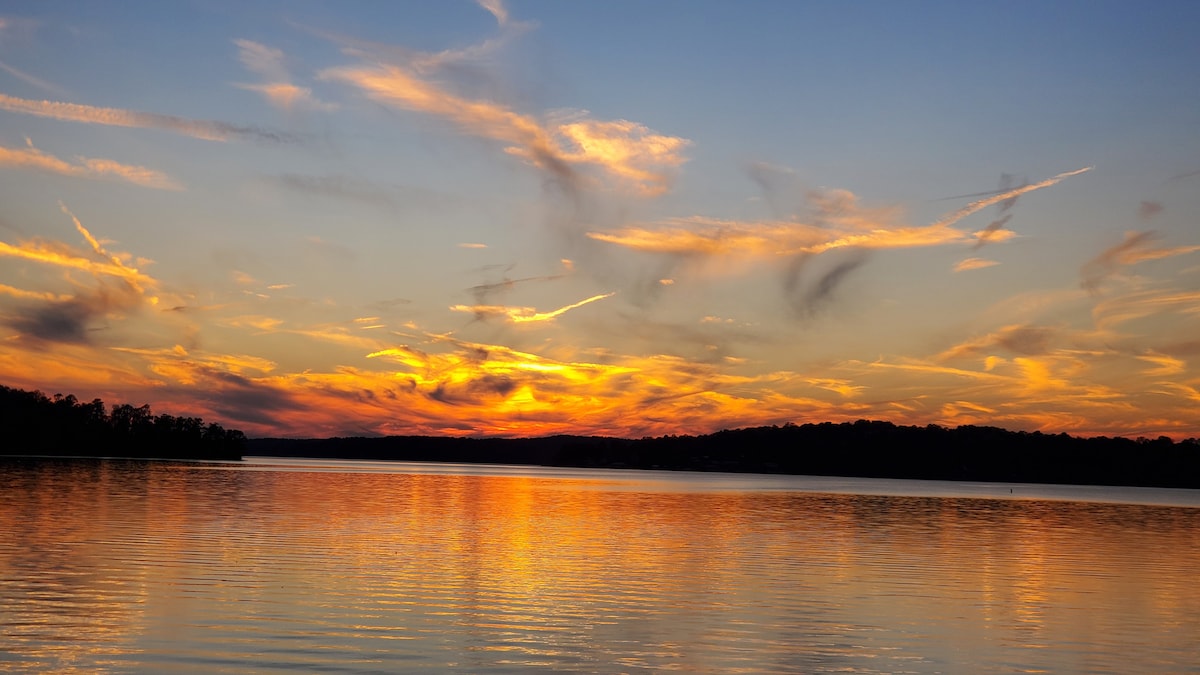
x=358 y=567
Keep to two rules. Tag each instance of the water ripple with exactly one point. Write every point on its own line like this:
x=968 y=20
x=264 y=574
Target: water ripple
x=139 y=567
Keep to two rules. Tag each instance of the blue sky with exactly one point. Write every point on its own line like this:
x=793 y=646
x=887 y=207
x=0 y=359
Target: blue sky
x=313 y=218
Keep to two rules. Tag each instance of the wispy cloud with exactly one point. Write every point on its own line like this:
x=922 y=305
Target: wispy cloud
x=973 y=264
x=627 y=150
x=524 y=314
x=189 y=367
x=30 y=157
x=60 y=255
x=636 y=156
x=340 y=187
x=1135 y=248
x=30 y=79
x=484 y=291
x=837 y=222
x=26 y=294
x=277 y=84
x=807 y=298
x=118 y=117
x=497 y=9
x=1164 y=365
x=1005 y=195
x=1114 y=311
x=116 y=290
x=1018 y=339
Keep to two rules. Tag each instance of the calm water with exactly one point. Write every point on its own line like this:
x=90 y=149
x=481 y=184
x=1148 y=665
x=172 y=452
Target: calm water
x=303 y=566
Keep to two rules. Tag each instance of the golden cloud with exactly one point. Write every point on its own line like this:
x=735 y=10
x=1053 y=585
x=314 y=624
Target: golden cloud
x=627 y=150
x=32 y=158
x=838 y=221
x=525 y=314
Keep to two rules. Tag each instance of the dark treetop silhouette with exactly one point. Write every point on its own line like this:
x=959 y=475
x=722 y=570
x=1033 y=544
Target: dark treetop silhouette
x=863 y=448
x=40 y=425
x=64 y=426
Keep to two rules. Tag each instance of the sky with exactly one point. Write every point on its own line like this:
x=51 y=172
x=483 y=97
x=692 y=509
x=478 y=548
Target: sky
x=310 y=219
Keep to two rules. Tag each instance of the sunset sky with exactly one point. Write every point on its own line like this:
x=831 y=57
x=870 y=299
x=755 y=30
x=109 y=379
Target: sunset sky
x=619 y=218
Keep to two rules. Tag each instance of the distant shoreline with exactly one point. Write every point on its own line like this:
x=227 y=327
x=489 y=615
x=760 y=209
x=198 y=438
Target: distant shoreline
x=862 y=449
x=63 y=426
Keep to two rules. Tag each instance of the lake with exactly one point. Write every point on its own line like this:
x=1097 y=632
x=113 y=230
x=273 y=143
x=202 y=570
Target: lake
x=274 y=565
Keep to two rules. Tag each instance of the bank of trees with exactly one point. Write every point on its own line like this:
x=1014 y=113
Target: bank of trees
x=36 y=424
x=863 y=448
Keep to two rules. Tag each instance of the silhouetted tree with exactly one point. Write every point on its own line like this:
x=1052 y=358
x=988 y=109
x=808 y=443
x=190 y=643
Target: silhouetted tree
x=63 y=426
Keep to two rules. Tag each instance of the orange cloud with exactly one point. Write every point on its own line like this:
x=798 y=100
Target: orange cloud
x=31 y=295
x=32 y=158
x=638 y=156
x=709 y=237
x=525 y=314
x=277 y=87
x=1085 y=391
x=973 y=264
x=837 y=222
x=1164 y=365
x=60 y=256
x=181 y=367
x=1111 y=312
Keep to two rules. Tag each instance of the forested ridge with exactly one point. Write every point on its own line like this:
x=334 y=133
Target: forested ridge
x=62 y=425
x=863 y=448
x=37 y=424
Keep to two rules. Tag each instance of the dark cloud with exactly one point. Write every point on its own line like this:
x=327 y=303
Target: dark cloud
x=387 y=197
x=986 y=233
x=482 y=292
x=340 y=187
x=806 y=299
x=1029 y=340
x=1148 y=209
x=239 y=399
x=476 y=391
x=256 y=133
x=71 y=321
x=1007 y=184
x=780 y=188
x=1181 y=176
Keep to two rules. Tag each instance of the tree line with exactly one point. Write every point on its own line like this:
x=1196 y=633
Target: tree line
x=37 y=424
x=864 y=449
x=62 y=425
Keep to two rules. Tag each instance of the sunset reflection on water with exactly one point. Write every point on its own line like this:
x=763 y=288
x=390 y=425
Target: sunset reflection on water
x=120 y=566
